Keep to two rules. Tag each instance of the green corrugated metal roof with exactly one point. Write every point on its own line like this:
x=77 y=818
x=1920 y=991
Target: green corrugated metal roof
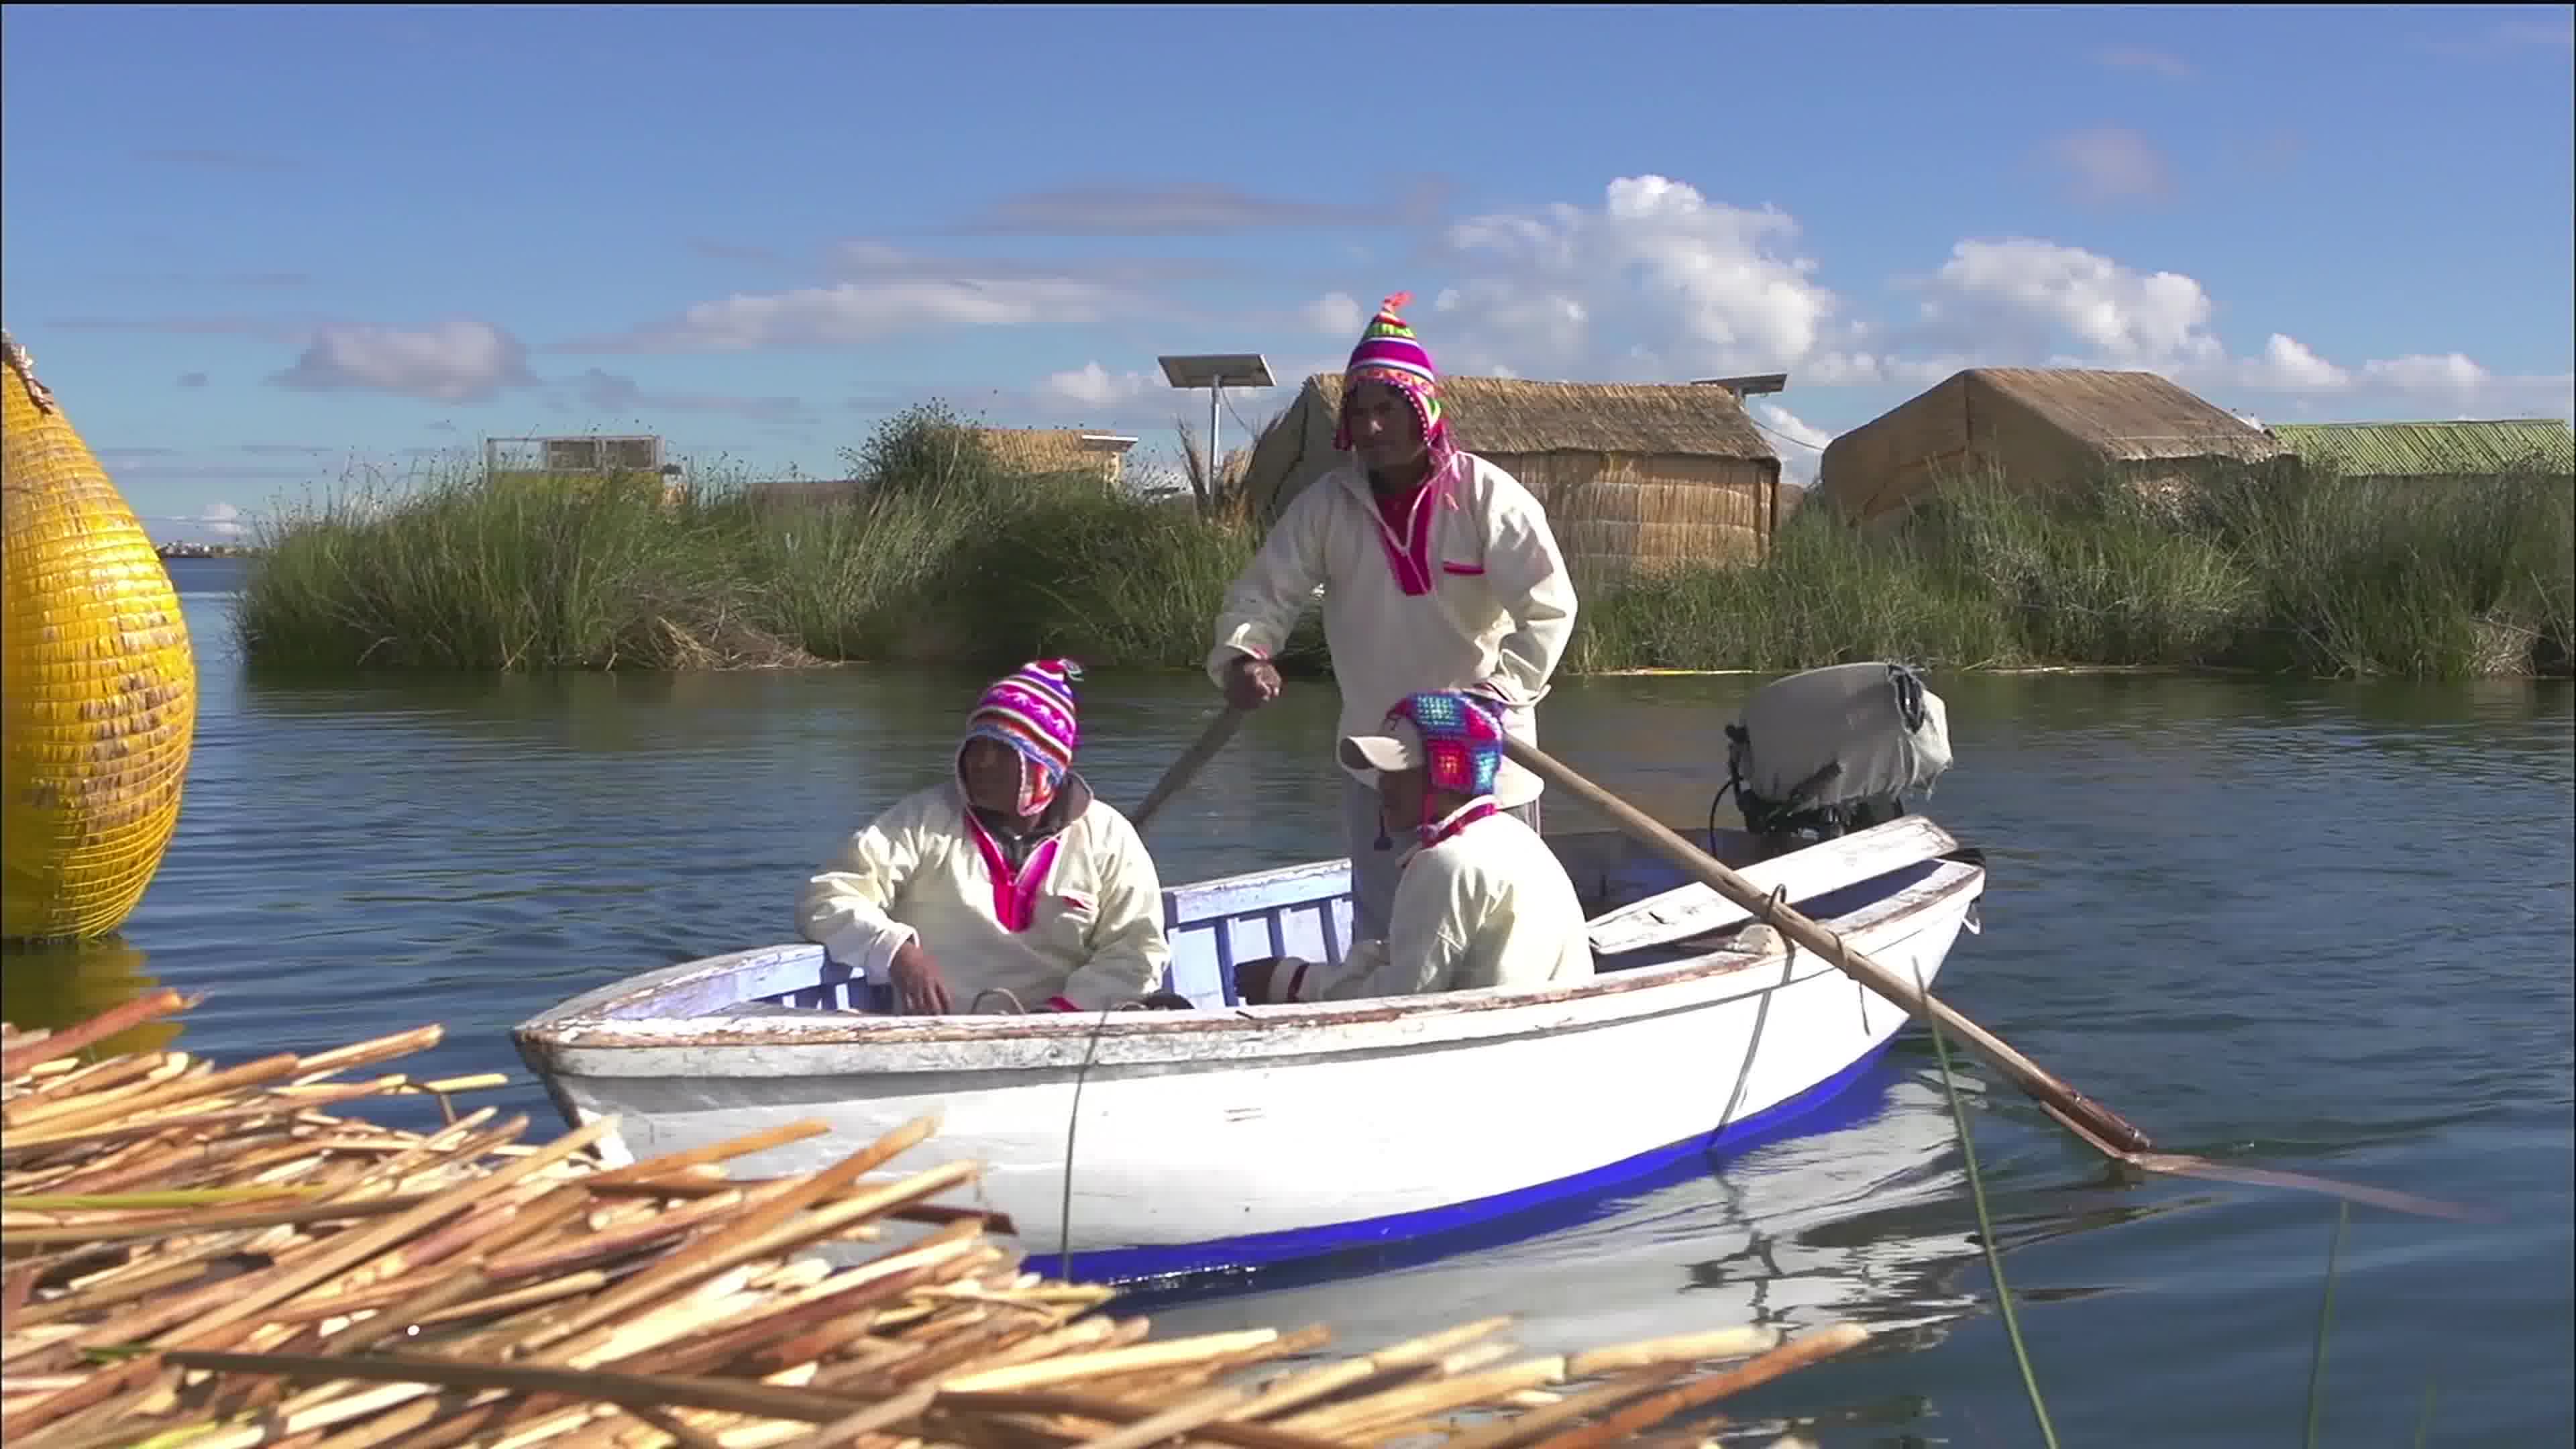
x=2419 y=449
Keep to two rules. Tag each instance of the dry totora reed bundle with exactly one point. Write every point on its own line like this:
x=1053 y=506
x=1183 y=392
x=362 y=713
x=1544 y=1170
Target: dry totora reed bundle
x=204 y=1257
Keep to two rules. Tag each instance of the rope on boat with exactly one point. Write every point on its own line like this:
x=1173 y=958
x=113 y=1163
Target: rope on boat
x=1072 y=1122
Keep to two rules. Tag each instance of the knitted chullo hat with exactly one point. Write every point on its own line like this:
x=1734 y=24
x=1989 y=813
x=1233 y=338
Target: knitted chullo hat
x=1453 y=737
x=1389 y=352
x=1032 y=711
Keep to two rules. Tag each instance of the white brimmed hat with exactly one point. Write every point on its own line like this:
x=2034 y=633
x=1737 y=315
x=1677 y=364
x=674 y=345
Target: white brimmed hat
x=1400 y=748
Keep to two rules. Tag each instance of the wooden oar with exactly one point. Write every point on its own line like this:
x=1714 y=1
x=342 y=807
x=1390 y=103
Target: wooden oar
x=2100 y=1128
x=1210 y=740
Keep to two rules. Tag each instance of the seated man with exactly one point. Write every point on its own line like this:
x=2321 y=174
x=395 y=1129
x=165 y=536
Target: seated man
x=1482 y=901
x=1011 y=877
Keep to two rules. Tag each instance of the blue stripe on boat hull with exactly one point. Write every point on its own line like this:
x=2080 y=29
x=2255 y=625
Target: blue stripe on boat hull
x=1433 y=1232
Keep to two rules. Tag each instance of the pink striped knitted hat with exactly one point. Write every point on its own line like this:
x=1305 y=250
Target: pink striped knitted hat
x=1388 y=352
x=1031 y=709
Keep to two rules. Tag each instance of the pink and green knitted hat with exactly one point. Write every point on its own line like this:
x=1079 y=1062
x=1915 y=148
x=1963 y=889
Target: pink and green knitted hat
x=1388 y=352
x=1031 y=709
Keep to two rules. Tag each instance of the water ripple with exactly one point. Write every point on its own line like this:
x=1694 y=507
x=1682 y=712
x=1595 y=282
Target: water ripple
x=2312 y=927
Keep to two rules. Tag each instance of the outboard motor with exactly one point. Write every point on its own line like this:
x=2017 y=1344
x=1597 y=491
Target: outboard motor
x=1833 y=750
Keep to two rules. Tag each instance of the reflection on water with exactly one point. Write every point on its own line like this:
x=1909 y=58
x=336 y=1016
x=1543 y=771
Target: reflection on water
x=2322 y=927
x=1866 y=1220
x=51 y=987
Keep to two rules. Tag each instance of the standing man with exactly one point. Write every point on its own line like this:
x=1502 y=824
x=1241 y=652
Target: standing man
x=1439 y=573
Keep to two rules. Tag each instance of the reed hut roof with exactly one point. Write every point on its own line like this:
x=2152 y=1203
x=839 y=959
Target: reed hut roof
x=1056 y=450
x=1507 y=415
x=2416 y=450
x=2124 y=416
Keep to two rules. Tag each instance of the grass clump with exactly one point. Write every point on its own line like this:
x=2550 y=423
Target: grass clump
x=1823 y=595
x=544 y=574
x=2366 y=576
x=2276 y=570
x=938 y=551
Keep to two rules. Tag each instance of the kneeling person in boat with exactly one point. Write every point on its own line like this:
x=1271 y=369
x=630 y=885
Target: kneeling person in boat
x=1010 y=877
x=1481 y=900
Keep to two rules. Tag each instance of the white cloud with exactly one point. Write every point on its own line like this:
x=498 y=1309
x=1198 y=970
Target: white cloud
x=1696 y=286
x=2287 y=365
x=460 y=360
x=858 y=312
x=1799 y=443
x=1656 y=281
x=1094 y=386
x=222 y=520
x=2022 y=295
x=1335 y=314
x=2448 y=373
x=2112 y=164
x=2025 y=302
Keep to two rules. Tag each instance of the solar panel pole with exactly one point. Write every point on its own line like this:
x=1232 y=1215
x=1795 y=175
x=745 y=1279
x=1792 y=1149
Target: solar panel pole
x=1214 y=370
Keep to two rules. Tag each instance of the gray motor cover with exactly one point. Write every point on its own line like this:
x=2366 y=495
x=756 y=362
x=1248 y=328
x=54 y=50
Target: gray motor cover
x=1847 y=714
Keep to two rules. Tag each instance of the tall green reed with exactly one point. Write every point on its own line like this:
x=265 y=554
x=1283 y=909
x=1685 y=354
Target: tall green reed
x=940 y=552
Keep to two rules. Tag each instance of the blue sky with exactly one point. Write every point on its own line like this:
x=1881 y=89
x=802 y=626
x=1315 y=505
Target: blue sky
x=254 y=249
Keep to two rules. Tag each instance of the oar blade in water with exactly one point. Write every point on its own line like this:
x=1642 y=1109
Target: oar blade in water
x=2179 y=1164
x=2092 y=1122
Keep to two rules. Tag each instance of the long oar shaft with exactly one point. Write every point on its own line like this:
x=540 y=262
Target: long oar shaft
x=2025 y=1073
x=1210 y=740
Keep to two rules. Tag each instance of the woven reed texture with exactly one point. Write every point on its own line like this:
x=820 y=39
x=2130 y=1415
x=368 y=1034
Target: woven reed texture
x=101 y=689
x=2038 y=427
x=2465 y=449
x=1053 y=450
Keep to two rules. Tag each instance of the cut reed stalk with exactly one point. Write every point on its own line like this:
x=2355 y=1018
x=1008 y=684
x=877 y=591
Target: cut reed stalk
x=533 y=1296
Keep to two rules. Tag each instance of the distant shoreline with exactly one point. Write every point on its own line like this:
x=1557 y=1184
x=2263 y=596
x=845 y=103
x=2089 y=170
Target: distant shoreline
x=952 y=557
x=205 y=550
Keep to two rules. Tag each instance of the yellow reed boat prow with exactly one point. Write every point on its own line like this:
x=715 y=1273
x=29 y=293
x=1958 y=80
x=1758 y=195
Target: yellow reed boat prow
x=100 y=688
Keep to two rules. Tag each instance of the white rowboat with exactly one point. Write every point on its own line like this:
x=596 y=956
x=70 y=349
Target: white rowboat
x=1229 y=1137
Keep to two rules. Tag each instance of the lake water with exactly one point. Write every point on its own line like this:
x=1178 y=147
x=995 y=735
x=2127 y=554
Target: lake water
x=2322 y=927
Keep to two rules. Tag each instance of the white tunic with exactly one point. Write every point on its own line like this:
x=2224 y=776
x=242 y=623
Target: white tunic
x=1488 y=906
x=1081 y=919
x=1498 y=613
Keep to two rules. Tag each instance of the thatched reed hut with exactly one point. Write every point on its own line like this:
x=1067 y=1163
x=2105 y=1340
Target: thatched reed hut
x=2035 y=427
x=2434 y=452
x=1060 y=450
x=1632 y=475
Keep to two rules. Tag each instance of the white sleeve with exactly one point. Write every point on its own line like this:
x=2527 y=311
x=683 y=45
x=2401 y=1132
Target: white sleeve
x=843 y=908
x=1426 y=940
x=1264 y=602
